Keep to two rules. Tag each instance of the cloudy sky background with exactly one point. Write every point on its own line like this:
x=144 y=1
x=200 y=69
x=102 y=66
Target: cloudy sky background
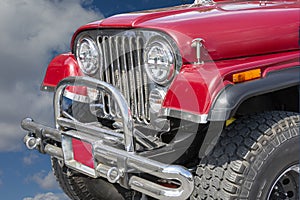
x=32 y=33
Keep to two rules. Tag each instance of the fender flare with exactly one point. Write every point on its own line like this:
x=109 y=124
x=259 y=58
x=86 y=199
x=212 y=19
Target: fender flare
x=232 y=96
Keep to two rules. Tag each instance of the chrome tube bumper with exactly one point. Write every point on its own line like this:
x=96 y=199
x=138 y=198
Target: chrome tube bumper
x=110 y=161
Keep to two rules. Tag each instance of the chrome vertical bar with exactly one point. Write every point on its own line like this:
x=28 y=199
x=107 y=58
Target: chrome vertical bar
x=132 y=48
x=111 y=104
x=146 y=103
x=125 y=70
x=118 y=71
x=140 y=79
x=103 y=71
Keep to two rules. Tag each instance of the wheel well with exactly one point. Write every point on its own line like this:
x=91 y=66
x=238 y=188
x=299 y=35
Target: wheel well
x=284 y=100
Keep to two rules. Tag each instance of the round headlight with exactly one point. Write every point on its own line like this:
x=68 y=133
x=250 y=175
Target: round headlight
x=160 y=61
x=88 y=55
x=156 y=99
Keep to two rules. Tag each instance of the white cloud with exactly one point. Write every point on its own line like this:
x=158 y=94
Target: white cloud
x=10 y=137
x=29 y=159
x=30 y=31
x=22 y=103
x=48 y=196
x=45 y=181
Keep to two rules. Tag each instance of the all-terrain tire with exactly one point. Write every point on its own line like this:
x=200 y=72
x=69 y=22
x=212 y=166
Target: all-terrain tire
x=252 y=160
x=80 y=187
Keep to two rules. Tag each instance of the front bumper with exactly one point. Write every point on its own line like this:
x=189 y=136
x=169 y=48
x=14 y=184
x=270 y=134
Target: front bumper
x=109 y=154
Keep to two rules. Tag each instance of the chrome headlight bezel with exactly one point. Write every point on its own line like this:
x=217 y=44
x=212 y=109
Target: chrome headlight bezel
x=88 y=55
x=160 y=60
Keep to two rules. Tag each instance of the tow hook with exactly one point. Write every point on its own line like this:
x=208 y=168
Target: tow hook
x=112 y=174
x=31 y=142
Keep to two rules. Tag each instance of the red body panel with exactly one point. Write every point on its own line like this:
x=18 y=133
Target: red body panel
x=254 y=33
x=229 y=30
x=196 y=86
x=237 y=37
x=60 y=67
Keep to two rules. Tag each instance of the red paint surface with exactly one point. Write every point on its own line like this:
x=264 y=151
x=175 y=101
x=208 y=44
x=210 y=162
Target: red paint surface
x=61 y=67
x=229 y=30
x=83 y=153
x=238 y=36
x=196 y=86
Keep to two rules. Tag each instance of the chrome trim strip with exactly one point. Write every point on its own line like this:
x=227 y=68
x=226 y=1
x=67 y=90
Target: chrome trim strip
x=76 y=97
x=180 y=114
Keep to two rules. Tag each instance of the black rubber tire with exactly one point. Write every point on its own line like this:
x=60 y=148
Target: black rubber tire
x=249 y=157
x=80 y=187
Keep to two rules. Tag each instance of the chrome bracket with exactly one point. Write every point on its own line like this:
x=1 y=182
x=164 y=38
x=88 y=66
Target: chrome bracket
x=203 y=2
x=197 y=43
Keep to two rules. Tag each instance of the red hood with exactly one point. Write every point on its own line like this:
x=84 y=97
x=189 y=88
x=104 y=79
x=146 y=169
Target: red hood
x=137 y=18
x=228 y=29
x=130 y=20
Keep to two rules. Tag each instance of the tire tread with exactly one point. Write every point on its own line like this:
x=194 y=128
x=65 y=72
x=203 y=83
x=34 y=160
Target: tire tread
x=229 y=170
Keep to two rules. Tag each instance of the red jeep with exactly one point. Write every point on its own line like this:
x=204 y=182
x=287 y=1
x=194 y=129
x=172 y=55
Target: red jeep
x=197 y=101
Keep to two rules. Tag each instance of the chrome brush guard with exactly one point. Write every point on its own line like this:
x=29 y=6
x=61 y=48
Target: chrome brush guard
x=117 y=163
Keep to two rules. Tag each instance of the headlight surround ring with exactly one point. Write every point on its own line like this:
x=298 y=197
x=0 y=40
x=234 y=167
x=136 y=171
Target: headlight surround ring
x=88 y=55
x=160 y=60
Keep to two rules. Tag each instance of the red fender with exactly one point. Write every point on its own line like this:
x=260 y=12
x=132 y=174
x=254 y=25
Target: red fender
x=61 y=67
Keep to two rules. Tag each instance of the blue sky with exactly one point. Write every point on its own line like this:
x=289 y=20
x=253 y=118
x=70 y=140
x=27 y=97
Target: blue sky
x=30 y=32
x=117 y=6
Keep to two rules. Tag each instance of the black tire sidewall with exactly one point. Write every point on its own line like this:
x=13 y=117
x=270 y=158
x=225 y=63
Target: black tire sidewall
x=79 y=186
x=275 y=163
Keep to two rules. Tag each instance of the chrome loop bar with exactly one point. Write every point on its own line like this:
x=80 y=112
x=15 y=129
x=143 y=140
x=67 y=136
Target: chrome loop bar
x=112 y=91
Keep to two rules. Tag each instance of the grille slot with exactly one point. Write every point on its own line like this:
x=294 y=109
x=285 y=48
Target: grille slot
x=123 y=68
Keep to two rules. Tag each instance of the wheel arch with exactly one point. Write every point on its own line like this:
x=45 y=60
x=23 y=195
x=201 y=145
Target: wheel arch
x=238 y=99
x=233 y=98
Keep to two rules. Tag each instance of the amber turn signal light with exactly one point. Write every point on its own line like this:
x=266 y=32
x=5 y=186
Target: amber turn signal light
x=246 y=76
